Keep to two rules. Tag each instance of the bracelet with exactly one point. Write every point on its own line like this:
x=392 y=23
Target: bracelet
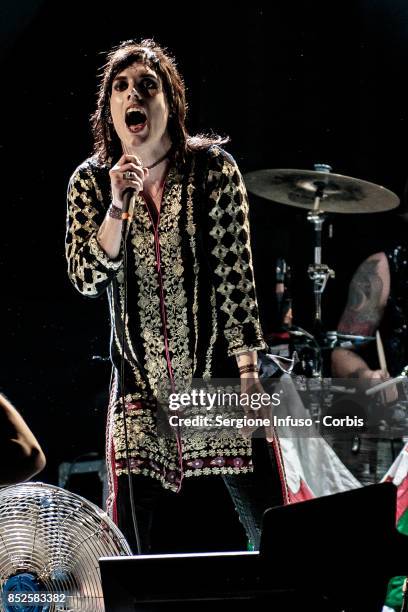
x=250 y=367
x=115 y=212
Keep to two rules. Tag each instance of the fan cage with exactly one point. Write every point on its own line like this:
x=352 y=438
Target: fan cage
x=50 y=543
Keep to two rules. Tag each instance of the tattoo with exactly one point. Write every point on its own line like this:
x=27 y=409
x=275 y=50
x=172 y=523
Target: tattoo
x=364 y=309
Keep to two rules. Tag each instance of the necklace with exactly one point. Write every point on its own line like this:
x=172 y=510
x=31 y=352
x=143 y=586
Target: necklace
x=162 y=158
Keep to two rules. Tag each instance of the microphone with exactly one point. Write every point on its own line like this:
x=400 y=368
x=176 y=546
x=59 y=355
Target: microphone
x=127 y=196
x=127 y=205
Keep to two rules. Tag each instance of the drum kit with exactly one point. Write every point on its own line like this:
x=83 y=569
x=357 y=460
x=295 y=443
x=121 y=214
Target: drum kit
x=320 y=192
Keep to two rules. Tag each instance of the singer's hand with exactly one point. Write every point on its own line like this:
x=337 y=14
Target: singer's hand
x=252 y=389
x=109 y=235
x=127 y=163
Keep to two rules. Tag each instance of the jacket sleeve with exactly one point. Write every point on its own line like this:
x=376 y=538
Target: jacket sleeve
x=230 y=255
x=89 y=268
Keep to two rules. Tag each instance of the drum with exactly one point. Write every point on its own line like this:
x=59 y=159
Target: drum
x=364 y=443
x=369 y=450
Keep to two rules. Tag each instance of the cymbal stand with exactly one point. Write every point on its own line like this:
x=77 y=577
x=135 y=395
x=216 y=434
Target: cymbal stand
x=318 y=272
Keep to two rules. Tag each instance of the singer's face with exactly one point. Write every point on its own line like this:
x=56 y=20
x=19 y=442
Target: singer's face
x=139 y=108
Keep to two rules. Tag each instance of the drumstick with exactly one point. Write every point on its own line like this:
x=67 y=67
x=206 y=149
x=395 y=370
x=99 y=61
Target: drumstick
x=380 y=351
x=390 y=393
x=384 y=385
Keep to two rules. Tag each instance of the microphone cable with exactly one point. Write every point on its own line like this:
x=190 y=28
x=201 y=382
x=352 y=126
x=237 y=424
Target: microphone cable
x=126 y=218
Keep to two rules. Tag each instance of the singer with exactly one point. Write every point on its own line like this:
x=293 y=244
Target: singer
x=191 y=308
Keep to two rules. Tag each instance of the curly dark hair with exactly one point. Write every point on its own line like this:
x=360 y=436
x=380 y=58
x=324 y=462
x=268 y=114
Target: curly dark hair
x=107 y=145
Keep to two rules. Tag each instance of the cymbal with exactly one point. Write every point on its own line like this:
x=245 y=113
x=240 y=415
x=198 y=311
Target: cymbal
x=341 y=194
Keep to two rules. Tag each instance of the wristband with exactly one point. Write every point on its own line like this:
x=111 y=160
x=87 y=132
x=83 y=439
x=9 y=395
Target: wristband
x=115 y=212
x=250 y=367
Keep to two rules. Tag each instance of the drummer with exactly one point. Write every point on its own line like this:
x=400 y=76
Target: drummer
x=377 y=300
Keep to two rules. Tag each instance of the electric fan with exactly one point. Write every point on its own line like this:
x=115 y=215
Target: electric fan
x=50 y=543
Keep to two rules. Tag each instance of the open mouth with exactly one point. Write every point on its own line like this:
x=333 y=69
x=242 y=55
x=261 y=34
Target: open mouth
x=135 y=119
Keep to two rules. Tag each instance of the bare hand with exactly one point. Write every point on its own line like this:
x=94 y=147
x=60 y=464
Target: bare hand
x=390 y=394
x=253 y=389
x=367 y=374
x=127 y=163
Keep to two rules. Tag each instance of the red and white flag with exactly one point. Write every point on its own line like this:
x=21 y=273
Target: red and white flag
x=311 y=467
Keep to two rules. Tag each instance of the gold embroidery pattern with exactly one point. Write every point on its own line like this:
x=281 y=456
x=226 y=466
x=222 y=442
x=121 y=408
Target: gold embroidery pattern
x=203 y=446
x=173 y=277
x=83 y=225
x=155 y=456
x=139 y=421
x=116 y=328
x=191 y=230
x=91 y=270
x=148 y=296
x=231 y=235
x=209 y=356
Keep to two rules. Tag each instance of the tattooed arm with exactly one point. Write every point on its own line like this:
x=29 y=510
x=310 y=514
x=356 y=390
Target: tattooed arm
x=368 y=295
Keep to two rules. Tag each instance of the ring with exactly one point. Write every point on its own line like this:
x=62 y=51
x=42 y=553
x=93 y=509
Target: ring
x=129 y=176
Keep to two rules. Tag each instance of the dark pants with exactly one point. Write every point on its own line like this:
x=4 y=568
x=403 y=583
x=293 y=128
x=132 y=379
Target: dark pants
x=201 y=517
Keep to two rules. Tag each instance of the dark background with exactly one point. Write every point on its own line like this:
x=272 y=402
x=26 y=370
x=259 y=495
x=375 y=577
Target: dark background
x=291 y=83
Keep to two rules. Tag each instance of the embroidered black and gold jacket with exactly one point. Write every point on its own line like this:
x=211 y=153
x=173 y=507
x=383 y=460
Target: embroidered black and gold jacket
x=191 y=302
